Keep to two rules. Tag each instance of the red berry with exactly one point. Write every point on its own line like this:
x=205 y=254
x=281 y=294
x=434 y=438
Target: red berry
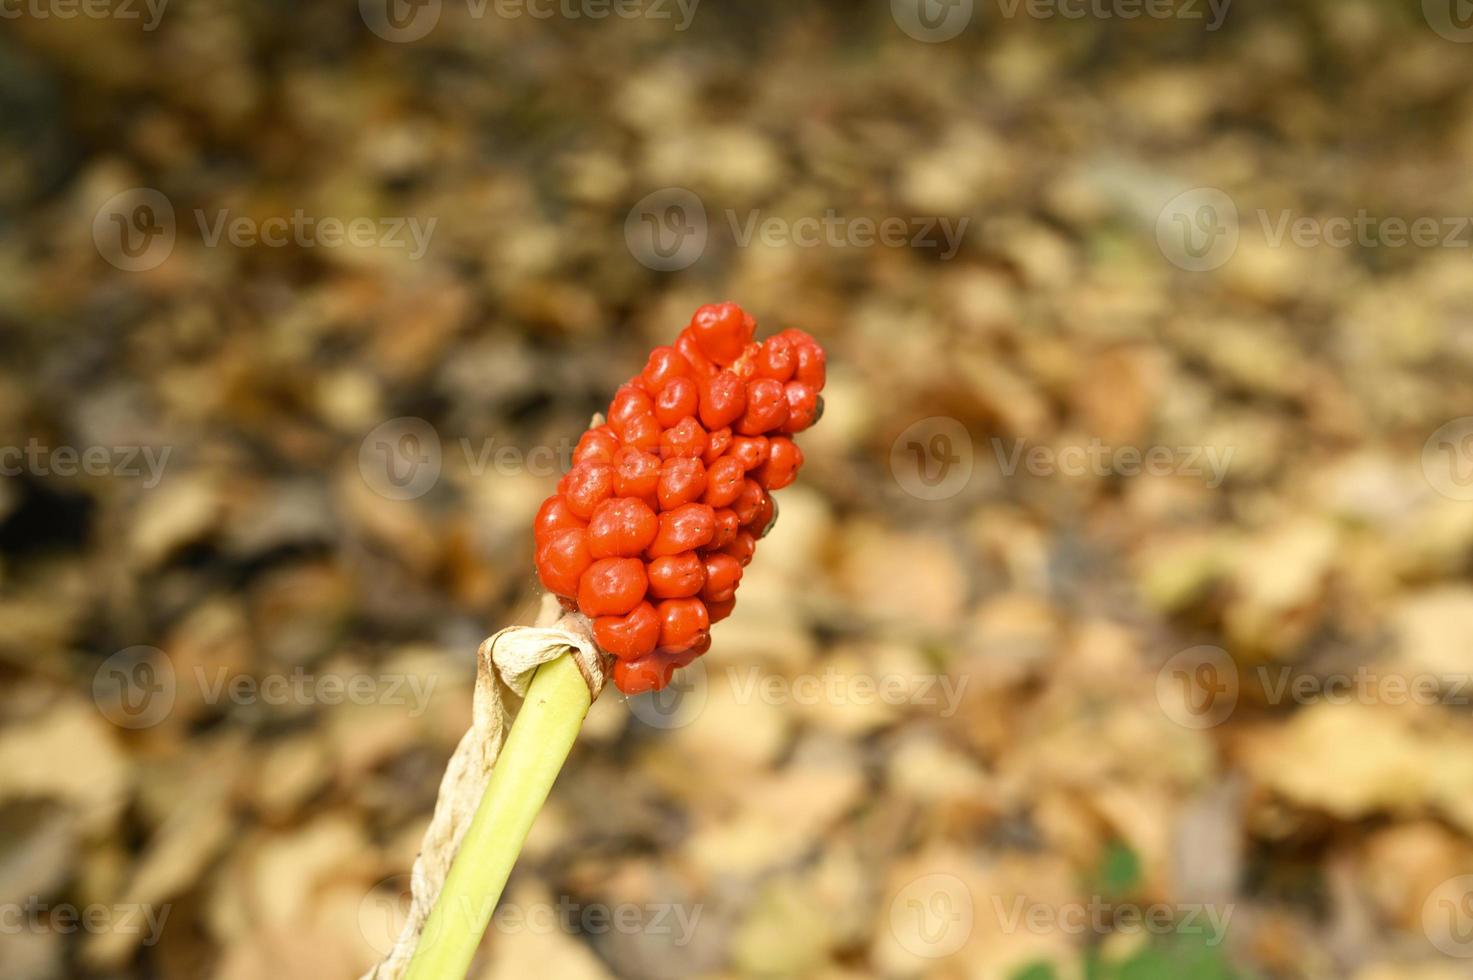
x=783 y=459
x=811 y=369
x=611 y=587
x=748 y=502
x=641 y=431
x=767 y=408
x=686 y=527
x=802 y=406
x=742 y=547
x=676 y=576
x=629 y=403
x=718 y=611
x=751 y=450
x=724 y=479
x=553 y=516
x=723 y=399
x=721 y=331
x=685 y=438
x=745 y=367
x=664 y=364
x=682 y=480
x=630 y=636
x=562 y=561
x=597 y=446
x=682 y=623
x=726 y=528
x=648 y=673
x=684 y=657
x=765 y=518
x=637 y=475
x=777 y=359
x=716 y=445
x=723 y=575
x=586 y=486
x=680 y=397
x=701 y=366
x=621 y=527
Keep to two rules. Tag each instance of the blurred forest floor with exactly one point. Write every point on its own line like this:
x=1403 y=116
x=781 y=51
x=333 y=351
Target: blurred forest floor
x=1044 y=621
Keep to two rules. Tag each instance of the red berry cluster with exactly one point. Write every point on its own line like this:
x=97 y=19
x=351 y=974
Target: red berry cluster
x=648 y=533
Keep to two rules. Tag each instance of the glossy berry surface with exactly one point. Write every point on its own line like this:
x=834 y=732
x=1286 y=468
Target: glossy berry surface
x=649 y=532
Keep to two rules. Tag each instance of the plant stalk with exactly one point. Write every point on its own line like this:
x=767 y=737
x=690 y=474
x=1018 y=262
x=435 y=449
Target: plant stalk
x=536 y=747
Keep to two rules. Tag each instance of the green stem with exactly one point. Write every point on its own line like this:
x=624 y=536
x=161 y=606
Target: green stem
x=534 y=752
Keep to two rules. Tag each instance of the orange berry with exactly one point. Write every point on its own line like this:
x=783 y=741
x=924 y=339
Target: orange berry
x=562 y=560
x=630 y=636
x=685 y=528
x=611 y=587
x=621 y=527
x=783 y=459
x=682 y=623
x=681 y=481
x=685 y=438
x=676 y=576
x=723 y=399
x=553 y=516
x=679 y=398
x=723 y=575
x=586 y=486
x=648 y=673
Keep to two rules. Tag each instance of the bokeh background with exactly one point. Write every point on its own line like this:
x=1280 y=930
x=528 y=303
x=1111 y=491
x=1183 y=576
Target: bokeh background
x=1118 y=626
